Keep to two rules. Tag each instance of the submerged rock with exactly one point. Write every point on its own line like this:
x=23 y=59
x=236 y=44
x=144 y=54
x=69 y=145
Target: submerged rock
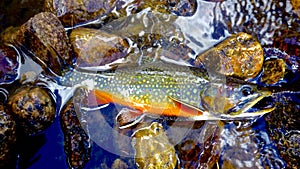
x=73 y=12
x=283 y=128
x=44 y=38
x=273 y=71
x=119 y=164
x=159 y=46
x=296 y=6
x=183 y=7
x=240 y=149
x=96 y=47
x=177 y=7
x=200 y=148
x=240 y=55
x=9 y=64
x=9 y=35
x=281 y=69
x=33 y=108
x=153 y=149
x=8 y=139
x=266 y=19
x=155 y=35
x=77 y=142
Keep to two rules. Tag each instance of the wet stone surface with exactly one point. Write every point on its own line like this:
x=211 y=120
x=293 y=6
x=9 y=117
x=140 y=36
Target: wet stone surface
x=153 y=149
x=174 y=7
x=8 y=64
x=160 y=38
x=296 y=6
x=282 y=69
x=273 y=71
x=33 y=108
x=97 y=47
x=240 y=149
x=201 y=146
x=240 y=55
x=74 y=12
x=267 y=20
x=283 y=129
x=8 y=138
x=44 y=39
x=76 y=140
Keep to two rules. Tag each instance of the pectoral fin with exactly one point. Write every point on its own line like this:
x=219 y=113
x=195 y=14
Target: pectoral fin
x=99 y=97
x=128 y=117
x=187 y=110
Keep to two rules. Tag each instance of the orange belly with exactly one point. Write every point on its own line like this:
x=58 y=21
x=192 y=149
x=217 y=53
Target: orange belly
x=171 y=108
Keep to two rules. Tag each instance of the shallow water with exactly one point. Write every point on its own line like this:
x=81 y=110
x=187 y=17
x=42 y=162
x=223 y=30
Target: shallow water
x=271 y=141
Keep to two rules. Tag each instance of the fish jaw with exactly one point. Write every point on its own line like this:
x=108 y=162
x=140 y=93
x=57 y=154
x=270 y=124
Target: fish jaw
x=241 y=113
x=247 y=104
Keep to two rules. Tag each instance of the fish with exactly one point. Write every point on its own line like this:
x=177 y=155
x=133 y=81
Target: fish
x=166 y=89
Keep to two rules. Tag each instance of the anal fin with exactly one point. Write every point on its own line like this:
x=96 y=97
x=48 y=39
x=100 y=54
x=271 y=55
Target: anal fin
x=128 y=117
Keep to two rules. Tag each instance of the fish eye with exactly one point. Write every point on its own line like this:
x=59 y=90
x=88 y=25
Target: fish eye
x=246 y=90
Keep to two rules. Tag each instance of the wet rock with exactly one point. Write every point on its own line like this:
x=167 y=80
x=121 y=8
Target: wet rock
x=147 y=26
x=273 y=71
x=137 y=5
x=290 y=145
x=96 y=47
x=292 y=62
x=43 y=37
x=119 y=164
x=284 y=67
x=183 y=7
x=176 y=7
x=240 y=55
x=9 y=64
x=33 y=108
x=288 y=41
x=164 y=47
x=200 y=148
x=73 y=12
x=176 y=50
x=77 y=141
x=240 y=149
x=156 y=46
x=9 y=35
x=153 y=149
x=7 y=140
x=156 y=38
x=267 y=20
x=283 y=129
x=296 y=6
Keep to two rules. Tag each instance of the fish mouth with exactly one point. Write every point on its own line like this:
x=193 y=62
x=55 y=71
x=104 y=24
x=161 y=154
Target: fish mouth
x=255 y=105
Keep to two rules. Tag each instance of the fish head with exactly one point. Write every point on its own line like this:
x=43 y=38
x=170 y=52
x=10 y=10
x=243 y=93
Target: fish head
x=234 y=98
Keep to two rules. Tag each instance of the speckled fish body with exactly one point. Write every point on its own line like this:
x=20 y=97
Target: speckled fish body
x=166 y=89
x=147 y=87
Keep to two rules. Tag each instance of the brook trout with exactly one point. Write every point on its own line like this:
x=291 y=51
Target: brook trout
x=169 y=90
